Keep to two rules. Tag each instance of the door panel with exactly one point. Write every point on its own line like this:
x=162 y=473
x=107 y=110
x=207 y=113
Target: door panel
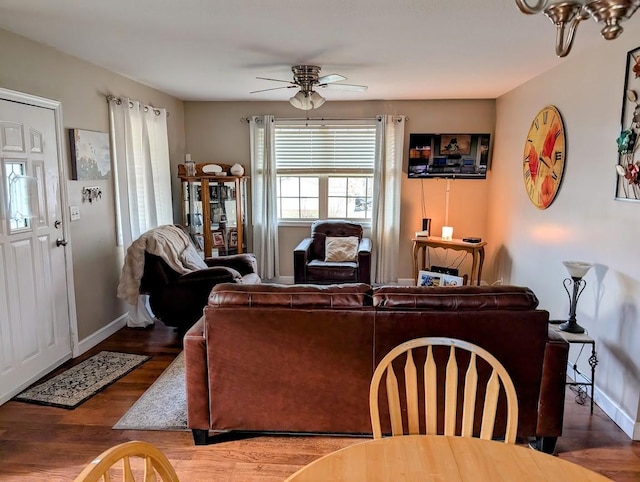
x=34 y=311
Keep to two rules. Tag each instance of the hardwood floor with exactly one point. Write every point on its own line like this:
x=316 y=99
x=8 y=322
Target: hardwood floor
x=40 y=443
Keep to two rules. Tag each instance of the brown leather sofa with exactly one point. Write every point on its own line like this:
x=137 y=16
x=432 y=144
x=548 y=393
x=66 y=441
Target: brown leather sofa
x=299 y=358
x=309 y=265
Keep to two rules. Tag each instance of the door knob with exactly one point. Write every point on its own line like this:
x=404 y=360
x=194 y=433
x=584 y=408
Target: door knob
x=61 y=242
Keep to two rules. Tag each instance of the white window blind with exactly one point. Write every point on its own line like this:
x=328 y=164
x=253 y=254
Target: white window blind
x=324 y=147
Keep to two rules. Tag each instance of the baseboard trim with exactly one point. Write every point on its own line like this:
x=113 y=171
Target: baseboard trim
x=102 y=334
x=630 y=427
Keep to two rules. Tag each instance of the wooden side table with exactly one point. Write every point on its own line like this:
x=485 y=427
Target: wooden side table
x=421 y=244
x=583 y=339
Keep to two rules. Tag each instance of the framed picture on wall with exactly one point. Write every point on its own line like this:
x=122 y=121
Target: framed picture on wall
x=90 y=155
x=628 y=167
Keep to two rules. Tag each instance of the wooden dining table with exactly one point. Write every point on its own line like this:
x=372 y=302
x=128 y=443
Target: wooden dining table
x=441 y=458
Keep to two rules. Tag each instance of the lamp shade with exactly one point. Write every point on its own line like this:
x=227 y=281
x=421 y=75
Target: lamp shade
x=301 y=101
x=316 y=100
x=577 y=269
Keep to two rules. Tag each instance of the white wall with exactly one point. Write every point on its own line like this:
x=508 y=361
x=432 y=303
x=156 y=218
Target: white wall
x=81 y=87
x=584 y=223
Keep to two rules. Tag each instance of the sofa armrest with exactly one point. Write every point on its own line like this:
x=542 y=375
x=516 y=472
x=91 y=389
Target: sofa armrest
x=244 y=263
x=300 y=260
x=196 y=377
x=364 y=261
x=215 y=275
x=552 y=389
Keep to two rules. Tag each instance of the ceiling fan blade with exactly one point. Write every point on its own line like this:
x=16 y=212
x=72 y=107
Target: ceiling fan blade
x=273 y=88
x=275 y=80
x=352 y=87
x=327 y=79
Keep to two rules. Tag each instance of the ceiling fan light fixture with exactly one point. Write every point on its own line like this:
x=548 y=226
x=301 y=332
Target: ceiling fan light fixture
x=316 y=100
x=301 y=101
x=307 y=100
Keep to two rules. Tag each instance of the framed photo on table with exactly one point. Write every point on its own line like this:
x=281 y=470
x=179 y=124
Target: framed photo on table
x=431 y=278
x=233 y=238
x=218 y=239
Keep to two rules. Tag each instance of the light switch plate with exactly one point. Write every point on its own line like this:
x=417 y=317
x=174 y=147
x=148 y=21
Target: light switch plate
x=75 y=212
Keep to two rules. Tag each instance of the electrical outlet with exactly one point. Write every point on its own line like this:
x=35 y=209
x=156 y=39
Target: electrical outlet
x=75 y=212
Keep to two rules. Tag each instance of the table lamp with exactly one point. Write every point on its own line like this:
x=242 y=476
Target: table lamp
x=577 y=270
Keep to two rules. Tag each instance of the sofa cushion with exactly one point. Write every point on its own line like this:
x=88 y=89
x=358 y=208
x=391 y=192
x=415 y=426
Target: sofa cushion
x=459 y=298
x=342 y=296
x=340 y=249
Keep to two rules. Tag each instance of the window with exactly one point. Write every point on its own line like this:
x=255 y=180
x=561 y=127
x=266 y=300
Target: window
x=20 y=200
x=325 y=169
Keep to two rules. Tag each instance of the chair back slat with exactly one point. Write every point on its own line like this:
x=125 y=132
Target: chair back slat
x=411 y=388
x=393 y=394
x=451 y=394
x=431 y=393
x=490 y=405
x=149 y=473
x=470 y=391
x=128 y=472
x=468 y=385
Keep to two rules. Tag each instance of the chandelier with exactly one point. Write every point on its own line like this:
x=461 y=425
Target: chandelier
x=567 y=15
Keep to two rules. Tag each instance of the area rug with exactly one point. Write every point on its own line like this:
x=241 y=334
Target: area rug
x=163 y=406
x=82 y=381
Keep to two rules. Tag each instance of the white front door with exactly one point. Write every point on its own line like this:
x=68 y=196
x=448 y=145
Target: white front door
x=35 y=283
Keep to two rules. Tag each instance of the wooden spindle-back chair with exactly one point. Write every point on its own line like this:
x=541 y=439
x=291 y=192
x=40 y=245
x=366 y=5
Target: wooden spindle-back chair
x=497 y=379
x=156 y=465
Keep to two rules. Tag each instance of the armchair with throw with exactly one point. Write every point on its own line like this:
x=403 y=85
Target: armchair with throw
x=163 y=263
x=336 y=252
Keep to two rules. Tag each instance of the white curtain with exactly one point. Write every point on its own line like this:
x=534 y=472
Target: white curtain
x=142 y=174
x=385 y=224
x=264 y=210
x=142 y=177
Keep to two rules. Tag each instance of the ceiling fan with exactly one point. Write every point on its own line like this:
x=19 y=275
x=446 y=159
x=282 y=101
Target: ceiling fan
x=306 y=77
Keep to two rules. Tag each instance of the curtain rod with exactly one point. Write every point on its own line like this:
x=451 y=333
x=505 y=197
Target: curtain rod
x=286 y=119
x=118 y=100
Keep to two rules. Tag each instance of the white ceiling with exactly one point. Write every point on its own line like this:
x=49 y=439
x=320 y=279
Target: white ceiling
x=215 y=49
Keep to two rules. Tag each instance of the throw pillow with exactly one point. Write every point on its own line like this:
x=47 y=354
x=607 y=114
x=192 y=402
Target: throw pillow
x=340 y=249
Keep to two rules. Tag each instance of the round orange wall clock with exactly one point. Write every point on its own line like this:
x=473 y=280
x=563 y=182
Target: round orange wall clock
x=544 y=156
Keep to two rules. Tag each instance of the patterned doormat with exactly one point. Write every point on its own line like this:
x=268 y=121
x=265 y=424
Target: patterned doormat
x=82 y=381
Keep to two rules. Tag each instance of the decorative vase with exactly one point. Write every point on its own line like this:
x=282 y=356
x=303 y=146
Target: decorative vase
x=236 y=170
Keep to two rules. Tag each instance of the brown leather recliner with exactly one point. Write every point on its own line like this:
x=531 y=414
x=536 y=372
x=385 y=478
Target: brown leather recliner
x=309 y=263
x=177 y=300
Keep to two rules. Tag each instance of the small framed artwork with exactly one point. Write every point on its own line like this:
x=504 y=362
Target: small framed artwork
x=90 y=155
x=628 y=167
x=218 y=239
x=233 y=238
x=431 y=278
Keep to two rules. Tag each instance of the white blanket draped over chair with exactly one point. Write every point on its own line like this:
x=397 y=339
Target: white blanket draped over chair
x=170 y=243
